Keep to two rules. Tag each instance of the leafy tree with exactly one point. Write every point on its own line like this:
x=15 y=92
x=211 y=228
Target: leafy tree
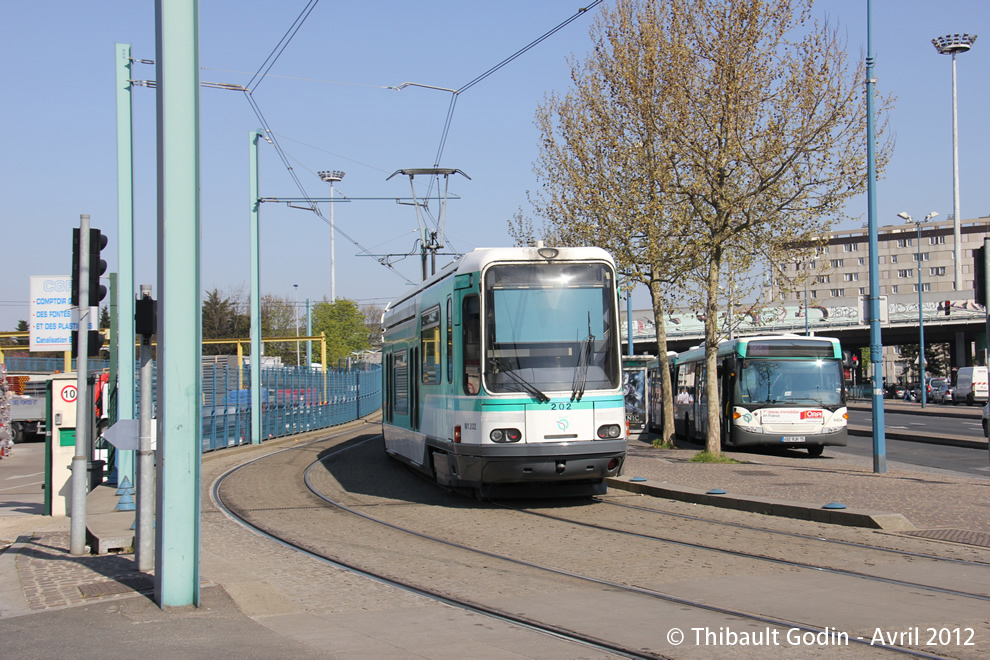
x=344 y=326
x=104 y=317
x=278 y=320
x=702 y=140
x=373 y=322
x=937 y=361
x=222 y=320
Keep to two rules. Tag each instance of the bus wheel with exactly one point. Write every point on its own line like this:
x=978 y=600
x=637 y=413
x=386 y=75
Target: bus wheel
x=815 y=450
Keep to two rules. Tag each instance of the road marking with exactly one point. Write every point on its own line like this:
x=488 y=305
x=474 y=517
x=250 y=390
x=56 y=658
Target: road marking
x=24 y=476
x=33 y=483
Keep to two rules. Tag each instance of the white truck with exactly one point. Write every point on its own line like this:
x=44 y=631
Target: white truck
x=27 y=411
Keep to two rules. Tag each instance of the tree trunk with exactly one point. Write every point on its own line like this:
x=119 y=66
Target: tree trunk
x=713 y=443
x=666 y=385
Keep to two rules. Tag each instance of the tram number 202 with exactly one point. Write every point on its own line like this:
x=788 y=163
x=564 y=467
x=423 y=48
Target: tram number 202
x=560 y=406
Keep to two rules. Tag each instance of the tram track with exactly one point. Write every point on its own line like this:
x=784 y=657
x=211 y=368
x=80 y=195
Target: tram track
x=809 y=537
x=779 y=560
x=372 y=568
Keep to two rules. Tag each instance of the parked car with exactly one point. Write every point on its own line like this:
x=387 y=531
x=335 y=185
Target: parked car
x=895 y=391
x=942 y=393
x=932 y=383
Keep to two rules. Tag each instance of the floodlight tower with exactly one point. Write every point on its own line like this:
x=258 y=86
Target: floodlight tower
x=952 y=44
x=331 y=177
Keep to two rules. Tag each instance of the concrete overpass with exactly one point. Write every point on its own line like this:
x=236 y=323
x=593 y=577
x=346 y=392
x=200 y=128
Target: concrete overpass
x=964 y=328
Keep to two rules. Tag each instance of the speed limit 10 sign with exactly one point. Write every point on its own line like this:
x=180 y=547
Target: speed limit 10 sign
x=68 y=393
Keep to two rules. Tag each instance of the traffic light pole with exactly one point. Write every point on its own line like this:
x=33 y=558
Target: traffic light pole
x=80 y=473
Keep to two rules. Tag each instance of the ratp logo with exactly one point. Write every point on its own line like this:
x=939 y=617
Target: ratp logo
x=562 y=424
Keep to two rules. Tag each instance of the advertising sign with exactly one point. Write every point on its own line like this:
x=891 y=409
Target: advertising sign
x=52 y=316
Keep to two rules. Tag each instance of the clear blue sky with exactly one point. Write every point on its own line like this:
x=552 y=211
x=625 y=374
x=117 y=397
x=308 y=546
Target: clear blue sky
x=326 y=102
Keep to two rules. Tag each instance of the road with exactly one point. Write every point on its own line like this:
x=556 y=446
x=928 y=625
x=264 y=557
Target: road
x=920 y=454
x=968 y=428
x=961 y=422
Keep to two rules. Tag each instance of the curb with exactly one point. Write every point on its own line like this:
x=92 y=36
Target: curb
x=894 y=522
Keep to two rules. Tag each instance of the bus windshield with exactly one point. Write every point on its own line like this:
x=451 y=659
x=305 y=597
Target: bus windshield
x=783 y=382
x=550 y=327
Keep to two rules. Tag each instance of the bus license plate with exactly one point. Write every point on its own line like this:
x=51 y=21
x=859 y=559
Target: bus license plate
x=792 y=438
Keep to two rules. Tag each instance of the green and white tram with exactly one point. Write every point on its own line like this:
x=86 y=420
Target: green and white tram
x=502 y=373
x=773 y=390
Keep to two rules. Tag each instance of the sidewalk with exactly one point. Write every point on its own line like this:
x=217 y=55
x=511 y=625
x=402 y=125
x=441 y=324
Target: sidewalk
x=260 y=600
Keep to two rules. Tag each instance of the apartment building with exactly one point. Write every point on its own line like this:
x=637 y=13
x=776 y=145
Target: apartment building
x=840 y=274
x=841 y=269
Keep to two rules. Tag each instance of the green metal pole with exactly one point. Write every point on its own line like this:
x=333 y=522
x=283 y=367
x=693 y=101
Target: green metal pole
x=177 y=553
x=255 y=291
x=124 y=291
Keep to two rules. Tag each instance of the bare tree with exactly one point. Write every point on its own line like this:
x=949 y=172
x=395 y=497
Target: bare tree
x=702 y=141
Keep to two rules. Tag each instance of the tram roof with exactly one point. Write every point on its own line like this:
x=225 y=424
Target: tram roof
x=479 y=258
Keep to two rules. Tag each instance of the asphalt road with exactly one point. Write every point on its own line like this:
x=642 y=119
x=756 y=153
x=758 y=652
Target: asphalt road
x=920 y=455
x=923 y=424
x=929 y=427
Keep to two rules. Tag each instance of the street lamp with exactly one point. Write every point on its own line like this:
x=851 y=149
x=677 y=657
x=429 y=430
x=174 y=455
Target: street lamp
x=295 y=313
x=331 y=177
x=952 y=44
x=921 y=317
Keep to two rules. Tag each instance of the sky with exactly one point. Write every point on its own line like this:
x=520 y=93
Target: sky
x=328 y=102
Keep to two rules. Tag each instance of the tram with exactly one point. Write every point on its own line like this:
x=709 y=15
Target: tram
x=502 y=373
x=773 y=390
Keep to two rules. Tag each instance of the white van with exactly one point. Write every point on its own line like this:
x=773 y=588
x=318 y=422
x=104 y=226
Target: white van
x=971 y=385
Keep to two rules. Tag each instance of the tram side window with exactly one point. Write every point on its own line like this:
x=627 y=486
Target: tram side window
x=401 y=383
x=430 y=342
x=450 y=340
x=471 y=328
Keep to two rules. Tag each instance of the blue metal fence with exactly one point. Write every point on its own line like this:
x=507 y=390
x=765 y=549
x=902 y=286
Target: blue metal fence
x=20 y=364
x=293 y=400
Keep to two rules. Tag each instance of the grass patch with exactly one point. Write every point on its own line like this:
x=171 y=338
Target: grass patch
x=708 y=457
x=660 y=443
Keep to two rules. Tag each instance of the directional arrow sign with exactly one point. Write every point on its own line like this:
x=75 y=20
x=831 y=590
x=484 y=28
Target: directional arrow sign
x=124 y=434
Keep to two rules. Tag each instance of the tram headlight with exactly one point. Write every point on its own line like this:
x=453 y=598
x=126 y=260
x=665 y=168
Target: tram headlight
x=609 y=431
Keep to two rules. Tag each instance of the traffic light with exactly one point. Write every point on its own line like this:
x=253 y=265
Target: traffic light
x=97 y=292
x=94 y=343
x=75 y=267
x=979 y=270
x=97 y=266
x=948 y=307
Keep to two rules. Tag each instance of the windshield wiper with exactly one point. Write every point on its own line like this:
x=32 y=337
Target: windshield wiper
x=584 y=361
x=525 y=384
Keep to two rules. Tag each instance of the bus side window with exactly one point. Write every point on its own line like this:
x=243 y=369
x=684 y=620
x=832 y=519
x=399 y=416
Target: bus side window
x=471 y=355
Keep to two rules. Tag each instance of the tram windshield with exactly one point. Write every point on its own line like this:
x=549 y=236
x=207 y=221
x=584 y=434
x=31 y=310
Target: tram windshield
x=550 y=328
x=783 y=382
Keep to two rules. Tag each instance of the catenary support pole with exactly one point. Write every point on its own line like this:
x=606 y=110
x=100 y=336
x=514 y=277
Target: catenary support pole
x=125 y=253
x=255 y=286
x=177 y=551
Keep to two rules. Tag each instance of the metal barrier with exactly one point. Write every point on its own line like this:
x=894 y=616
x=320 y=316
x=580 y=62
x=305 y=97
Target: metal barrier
x=293 y=400
x=19 y=364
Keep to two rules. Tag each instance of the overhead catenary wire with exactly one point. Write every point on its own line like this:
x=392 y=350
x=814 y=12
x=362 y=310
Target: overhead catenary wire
x=463 y=88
